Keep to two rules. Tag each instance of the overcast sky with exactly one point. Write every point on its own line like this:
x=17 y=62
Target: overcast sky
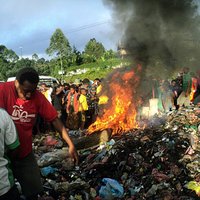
x=27 y=25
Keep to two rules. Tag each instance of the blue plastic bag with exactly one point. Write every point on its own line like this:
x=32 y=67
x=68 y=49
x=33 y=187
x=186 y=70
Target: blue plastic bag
x=111 y=189
x=45 y=171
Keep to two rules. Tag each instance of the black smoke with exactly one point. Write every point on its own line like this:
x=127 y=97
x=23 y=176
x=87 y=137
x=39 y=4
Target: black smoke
x=162 y=35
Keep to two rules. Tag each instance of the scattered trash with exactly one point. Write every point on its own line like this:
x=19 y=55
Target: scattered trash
x=111 y=189
x=193 y=185
x=48 y=170
x=151 y=163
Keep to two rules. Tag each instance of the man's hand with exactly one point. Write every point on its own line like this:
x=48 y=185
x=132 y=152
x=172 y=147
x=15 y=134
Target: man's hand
x=62 y=130
x=73 y=153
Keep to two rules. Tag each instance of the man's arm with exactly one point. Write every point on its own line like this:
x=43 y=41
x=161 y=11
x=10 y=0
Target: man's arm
x=62 y=130
x=49 y=113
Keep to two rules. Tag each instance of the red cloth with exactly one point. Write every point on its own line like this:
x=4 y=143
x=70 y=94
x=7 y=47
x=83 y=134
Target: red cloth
x=76 y=102
x=24 y=113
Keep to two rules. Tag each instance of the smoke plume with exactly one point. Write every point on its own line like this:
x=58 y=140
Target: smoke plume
x=162 y=35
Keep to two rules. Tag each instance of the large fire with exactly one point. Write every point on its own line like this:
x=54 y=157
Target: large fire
x=119 y=113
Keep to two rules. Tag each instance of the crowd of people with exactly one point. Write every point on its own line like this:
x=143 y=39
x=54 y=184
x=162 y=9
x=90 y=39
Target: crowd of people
x=76 y=103
x=182 y=91
x=24 y=105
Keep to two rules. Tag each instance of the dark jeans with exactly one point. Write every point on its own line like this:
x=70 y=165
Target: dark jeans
x=27 y=172
x=12 y=194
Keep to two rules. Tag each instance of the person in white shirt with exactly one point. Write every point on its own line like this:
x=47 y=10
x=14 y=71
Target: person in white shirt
x=8 y=145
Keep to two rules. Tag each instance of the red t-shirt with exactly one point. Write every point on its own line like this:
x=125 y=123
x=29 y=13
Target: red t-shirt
x=24 y=113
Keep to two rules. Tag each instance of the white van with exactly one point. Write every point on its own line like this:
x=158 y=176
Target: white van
x=48 y=80
x=10 y=79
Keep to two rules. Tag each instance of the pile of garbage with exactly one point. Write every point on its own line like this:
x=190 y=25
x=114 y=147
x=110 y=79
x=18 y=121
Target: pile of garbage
x=161 y=162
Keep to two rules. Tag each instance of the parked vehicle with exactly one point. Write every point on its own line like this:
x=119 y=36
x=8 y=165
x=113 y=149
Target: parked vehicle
x=48 y=80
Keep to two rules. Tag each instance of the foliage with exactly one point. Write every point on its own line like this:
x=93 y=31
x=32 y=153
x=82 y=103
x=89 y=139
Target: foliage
x=24 y=62
x=76 y=57
x=8 y=59
x=93 y=51
x=35 y=57
x=95 y=58
x=91 y=74
x=109 y=54
x=8 y=54
x=99 y=64
x=59 y=46
x=98 y=69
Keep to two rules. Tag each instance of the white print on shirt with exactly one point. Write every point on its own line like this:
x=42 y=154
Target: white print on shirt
x=21 y=115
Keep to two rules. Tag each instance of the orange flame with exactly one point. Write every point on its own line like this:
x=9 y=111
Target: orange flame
x=120 y=114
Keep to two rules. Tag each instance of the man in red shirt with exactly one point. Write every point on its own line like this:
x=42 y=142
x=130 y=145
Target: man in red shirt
x=23 y=103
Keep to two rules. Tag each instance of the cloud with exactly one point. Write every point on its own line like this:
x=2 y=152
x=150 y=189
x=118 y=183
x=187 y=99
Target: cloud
x=30 y=24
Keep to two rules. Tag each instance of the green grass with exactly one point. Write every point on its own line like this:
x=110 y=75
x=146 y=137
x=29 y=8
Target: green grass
x=99 y=63
x=99 y=69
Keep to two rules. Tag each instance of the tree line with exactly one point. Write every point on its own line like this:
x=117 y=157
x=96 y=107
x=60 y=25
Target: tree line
x=62 y=54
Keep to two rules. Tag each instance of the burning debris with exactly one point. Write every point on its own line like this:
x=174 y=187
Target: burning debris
x=153 y=163
x=119 y=112
x=160 y=161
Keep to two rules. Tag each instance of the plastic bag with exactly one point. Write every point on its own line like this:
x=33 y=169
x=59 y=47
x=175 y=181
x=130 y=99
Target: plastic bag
x=195 y=186
x=52 y=157
x=45 y=171
x=50 y=141
x=111 y=189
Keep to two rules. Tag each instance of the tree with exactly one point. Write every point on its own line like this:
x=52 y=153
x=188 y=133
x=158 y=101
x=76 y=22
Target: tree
x=8 y=59
x=93 y=50
x=59 y=46
x=76 y=57
x=43 y=67
x=8 y=54
x=109 y=54
x=14 y=68
x=35 y=57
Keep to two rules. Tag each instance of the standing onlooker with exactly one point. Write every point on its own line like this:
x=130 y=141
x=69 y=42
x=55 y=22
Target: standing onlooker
x=184 y=98
x=58 y=97
x=46 y=91
x=86 y=84
x=175 y=90
x=83 y=107
x=96 y=82
x=8 y=140
x=167 y=97
x=93 y=108
x=72 y=107
x=64 y=102
x=41 y=126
